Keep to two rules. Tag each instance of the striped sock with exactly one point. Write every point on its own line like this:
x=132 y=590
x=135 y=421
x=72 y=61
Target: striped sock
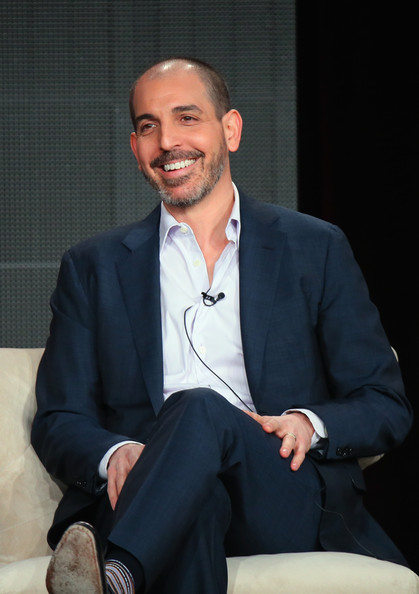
x=119 y=577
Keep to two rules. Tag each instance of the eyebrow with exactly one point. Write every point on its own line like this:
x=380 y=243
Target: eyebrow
x=191 y=107
x=177 y=109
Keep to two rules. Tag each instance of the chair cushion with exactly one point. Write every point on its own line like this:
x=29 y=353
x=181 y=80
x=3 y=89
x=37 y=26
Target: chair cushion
x=28 y=496
x=318 y=573
x=24 y=577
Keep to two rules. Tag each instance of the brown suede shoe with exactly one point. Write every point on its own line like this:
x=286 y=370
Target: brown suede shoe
x=77 y=565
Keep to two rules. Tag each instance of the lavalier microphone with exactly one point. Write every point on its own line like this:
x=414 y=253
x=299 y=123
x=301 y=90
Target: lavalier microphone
x=209 y=300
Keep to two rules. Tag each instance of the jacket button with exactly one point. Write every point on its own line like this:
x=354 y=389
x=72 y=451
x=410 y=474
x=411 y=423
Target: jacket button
x=343 y=452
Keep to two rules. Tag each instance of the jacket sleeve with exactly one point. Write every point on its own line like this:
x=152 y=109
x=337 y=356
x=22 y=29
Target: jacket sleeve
x=368 y=412
x=68 y=430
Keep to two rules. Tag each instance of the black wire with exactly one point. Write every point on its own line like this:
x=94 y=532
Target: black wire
x=203 y=362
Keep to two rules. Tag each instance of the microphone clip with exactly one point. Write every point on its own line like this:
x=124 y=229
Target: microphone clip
x=209 y=300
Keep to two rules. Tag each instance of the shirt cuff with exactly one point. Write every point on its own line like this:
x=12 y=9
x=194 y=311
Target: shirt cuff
x=103 y=466
x=320 y=431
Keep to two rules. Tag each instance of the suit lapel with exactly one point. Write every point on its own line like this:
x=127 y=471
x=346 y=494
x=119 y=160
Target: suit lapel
x=261 y=250
x=139 y=276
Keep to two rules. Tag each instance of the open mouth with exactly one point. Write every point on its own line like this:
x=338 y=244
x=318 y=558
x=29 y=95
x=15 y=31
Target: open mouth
x=172 y=161
x=178 y=165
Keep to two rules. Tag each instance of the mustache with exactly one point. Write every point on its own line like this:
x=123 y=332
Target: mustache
x=169 y=156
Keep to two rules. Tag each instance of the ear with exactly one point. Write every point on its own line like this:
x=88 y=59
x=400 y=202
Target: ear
x=134 y=147
x=232 y=124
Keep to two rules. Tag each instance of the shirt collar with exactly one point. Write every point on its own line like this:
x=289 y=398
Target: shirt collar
x=168 y=223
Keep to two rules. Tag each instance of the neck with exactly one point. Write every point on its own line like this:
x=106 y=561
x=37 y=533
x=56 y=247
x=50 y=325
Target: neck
x=208 y=220
x=209 y=217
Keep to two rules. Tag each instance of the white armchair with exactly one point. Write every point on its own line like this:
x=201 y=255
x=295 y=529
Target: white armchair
x=28 y=498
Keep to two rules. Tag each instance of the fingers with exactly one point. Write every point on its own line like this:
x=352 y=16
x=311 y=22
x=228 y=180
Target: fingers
x=254 y=416
x=298 y=459
x=293 y=442
x=289 y=444
x=119 y=466
x=294 y=429
x=116 y=480
x=269 y=424
x=113 y=490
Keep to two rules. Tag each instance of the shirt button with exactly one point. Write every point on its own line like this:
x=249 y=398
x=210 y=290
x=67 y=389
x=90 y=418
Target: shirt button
x=184 y=229
x=202 y=349
x=197 y=263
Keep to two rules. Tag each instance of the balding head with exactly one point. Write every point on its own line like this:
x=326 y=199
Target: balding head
x=214 y=83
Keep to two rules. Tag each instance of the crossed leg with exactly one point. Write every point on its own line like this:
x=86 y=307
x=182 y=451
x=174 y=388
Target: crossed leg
x=210 y=483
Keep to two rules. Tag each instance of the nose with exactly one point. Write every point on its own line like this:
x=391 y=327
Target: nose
x=169 y=136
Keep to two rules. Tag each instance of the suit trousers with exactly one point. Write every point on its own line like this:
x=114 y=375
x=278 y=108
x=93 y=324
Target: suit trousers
x=210 y=483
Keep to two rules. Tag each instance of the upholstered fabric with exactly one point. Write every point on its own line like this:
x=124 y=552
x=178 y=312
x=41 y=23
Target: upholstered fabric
x=28 y=498
x=318 y=573
x=25 y=577
x=314 y=573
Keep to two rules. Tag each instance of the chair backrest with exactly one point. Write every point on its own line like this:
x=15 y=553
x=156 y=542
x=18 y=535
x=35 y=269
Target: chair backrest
x=28 y=495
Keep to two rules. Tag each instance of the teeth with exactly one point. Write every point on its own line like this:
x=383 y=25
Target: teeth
x=178 y=165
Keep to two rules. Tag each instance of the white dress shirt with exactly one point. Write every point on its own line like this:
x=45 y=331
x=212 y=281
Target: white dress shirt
x=214 y=330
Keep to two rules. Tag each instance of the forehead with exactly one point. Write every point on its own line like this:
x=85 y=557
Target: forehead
x=165 y=91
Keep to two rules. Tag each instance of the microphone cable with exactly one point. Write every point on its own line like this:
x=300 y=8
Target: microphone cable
x=207 y=366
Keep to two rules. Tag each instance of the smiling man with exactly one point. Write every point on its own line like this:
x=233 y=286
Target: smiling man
x=182 y=148
x=212 y=373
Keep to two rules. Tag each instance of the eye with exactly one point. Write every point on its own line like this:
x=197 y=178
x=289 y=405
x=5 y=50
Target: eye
x=146 y=128
x=188 y=119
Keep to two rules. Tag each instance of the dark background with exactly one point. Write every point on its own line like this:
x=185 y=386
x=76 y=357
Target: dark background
x=358 y=102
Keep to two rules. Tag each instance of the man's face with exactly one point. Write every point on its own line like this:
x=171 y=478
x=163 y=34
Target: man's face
x=179 y=142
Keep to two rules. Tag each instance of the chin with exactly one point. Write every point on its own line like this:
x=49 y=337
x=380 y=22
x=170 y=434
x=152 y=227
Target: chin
x=180 y=202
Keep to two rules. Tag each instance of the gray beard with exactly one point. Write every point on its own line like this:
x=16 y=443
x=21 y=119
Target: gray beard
x=202 y=189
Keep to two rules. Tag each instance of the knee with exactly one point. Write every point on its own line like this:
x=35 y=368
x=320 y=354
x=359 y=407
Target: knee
x=196 y=400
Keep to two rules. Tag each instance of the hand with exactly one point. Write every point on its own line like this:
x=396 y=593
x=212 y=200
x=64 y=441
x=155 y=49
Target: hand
x=285 y=427
x=119 y=466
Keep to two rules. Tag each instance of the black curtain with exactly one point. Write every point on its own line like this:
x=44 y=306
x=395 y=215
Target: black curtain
x=358 y=165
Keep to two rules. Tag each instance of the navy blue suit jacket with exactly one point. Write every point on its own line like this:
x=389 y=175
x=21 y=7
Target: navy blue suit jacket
x=311 y=338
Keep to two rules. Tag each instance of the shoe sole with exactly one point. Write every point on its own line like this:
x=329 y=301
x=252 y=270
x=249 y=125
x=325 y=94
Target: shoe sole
x=76 y=566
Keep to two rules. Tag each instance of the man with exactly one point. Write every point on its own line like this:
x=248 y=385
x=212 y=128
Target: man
x=212 y=373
